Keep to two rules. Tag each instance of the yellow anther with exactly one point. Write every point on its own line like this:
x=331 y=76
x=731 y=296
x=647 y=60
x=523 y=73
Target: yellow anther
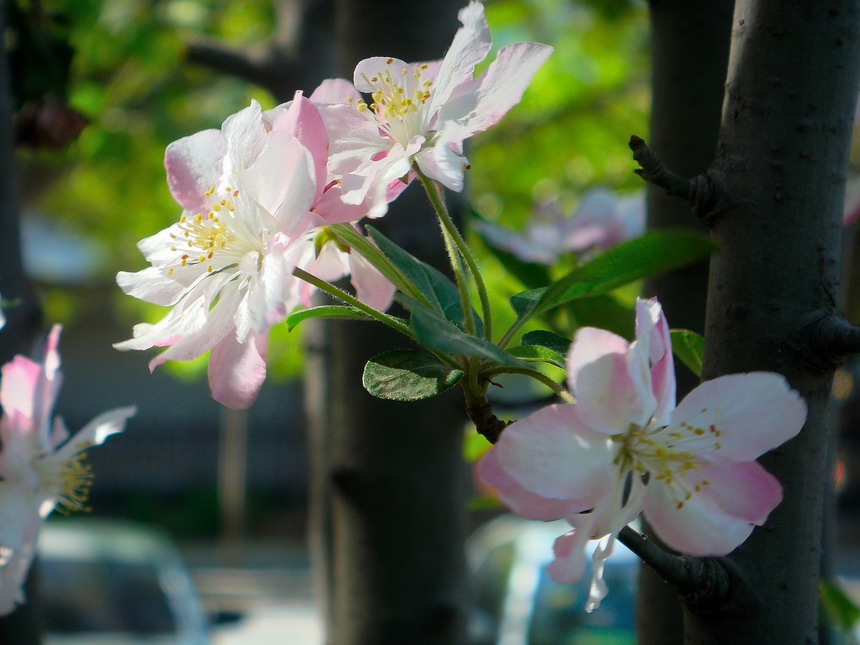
x=170 y=271
x=209 y=268
x=216 y=208
x=389 y=61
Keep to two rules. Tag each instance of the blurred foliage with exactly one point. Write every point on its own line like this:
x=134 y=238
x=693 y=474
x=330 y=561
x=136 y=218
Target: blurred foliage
x=126 y=74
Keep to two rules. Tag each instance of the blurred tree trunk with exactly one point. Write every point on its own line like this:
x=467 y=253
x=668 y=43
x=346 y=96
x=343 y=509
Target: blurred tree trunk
x=23 y=626
x=689 y=54
x=779 y=180
x=388 y=486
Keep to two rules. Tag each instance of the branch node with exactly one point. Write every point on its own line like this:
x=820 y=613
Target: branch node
x=826 y=341
x=700 y=191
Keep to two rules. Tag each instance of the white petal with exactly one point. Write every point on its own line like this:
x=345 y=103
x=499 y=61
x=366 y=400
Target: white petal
x=193 y=164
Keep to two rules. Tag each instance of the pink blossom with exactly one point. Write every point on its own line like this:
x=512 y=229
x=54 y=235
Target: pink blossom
x=42 y=468
x=422 y=112
x=624 y=448
x=601 y=220
x=254 y=194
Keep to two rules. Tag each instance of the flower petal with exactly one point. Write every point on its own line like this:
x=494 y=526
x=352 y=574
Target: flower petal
x=335 y=90
x=371 y=287
x=193 y=164
x=237 y=371
x=519 y=499
x=718 y=519
x=745 y=414
x=303 y=121
x=555 y=454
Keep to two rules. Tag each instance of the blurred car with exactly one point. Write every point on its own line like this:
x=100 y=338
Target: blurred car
x=112 y=583
x=515 y=602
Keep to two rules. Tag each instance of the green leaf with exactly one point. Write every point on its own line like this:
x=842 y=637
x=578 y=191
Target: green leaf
x=635 y=259
x=839 y=606
x=538 y=353
x=407 y=375
x=326 y=311
x=547 y=339
x=689 y=347
x=438 y=334
x=441 y=292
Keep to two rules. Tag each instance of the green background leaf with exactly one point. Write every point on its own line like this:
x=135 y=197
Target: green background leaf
x=689 y=347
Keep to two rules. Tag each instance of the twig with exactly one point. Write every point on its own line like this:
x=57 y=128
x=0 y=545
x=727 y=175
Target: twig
x=486 y=423
x=700 y=191
x=699 y=581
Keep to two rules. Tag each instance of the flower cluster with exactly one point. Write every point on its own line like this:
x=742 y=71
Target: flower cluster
x=41 y=466
x=624 y=448
x=256 y=194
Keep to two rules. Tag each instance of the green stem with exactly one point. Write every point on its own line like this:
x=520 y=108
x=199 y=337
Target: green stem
x=511 y=331
x=342 y=295
x=535 y=374
x=355 y=240
x=435 y=195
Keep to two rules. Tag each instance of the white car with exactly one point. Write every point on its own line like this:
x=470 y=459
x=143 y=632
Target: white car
x=115 y=583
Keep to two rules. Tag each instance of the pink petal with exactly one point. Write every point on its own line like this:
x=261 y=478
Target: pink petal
x=608 y=394
x=282 y=179
x=569 y=563
x=193 y=164
x=520 y=500
x=304 y=122
x=371 y=287
x=653 y=330
x=743 y=489
x=555 y=454
x=245 y=133
x=237 y=371
x=721 y=516
x=470 y=46
x=335 y=90
x=482 y=103
x=745 y=415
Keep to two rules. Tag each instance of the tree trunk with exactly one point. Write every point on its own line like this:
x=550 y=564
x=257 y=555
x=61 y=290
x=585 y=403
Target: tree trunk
x=23 y=626
x=779 y=176
x=388 y=486
x=689 y=54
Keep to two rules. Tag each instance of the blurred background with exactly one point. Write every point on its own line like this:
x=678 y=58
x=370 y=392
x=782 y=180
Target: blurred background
x=100 y=87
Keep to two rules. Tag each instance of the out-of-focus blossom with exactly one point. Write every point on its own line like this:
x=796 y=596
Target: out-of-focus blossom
x=2 y=316
x=255 y=194
x=624 y=448
x=600 y=221
x=41 y=466
x=422 y=112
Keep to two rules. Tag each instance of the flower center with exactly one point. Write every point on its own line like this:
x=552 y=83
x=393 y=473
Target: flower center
x=667 y=455
x=68 y=482
x=215 y=239
x=398 y=94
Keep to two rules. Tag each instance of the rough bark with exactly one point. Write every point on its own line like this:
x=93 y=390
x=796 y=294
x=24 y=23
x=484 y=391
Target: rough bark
x=689 y=54
x=388 y=505
x=779 y=175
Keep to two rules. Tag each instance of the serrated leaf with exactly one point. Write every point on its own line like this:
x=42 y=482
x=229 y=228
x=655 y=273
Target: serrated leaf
x=689 y=347
x=440 y=335
x=547 y=339
x=839 y=606
x=344 y=312
x=538 y=353
x=632 y=260
x=407 y=375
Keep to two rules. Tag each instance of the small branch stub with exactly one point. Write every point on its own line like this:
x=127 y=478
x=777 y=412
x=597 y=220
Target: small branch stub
x=827 y=341
x=699 y=191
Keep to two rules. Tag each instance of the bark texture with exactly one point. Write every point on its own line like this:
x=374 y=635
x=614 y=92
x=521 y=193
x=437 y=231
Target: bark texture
x=388 y=489
x=780 y=175
x=689 y=55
